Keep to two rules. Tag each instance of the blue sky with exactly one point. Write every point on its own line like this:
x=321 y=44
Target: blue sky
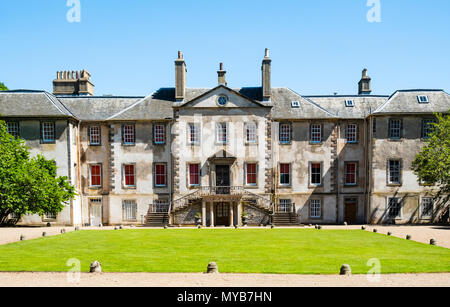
x=317 y=47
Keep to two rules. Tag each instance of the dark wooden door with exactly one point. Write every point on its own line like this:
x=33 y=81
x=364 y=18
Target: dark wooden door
x=223 y=179
x=222 y=214
x=350 y=212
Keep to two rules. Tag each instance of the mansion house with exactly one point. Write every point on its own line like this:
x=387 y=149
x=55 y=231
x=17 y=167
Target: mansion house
x=211 y=156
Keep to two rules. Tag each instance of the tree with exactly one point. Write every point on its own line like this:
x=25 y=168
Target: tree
x=3 y=87
x=28 y=185
x=432 y=164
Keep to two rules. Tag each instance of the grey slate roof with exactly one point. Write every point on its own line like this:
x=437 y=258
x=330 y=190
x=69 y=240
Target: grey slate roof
x=405 y=101
x=363 y=105
x=159 y=105
x=27 y=103
x=97 y=108
x=282 y=99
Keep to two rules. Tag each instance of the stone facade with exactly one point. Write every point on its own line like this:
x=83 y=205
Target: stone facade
x=221 y=152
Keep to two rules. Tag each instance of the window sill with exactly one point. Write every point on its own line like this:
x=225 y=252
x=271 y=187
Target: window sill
x=315 y=186
x=95 y=187
x=394 y=185
x=128 y=145
x=129 y=187
x=254 y=187
x=350 y=185
x=395 y=140
x=315 y=144
x=287 y=143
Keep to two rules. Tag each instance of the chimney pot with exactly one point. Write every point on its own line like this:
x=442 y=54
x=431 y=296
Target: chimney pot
x=364 y=87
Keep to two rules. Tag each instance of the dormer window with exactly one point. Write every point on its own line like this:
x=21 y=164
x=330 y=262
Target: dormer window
x=423 y=99
x=349 y=103
x=295 y=104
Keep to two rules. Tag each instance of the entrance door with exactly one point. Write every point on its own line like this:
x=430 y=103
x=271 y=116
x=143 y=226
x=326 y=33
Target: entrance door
x=222 y=214
x=95 y=212
x=223 y=179
x=350 y=211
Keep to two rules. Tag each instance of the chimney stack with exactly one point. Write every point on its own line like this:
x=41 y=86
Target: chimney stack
x=180 y=78
x=222 y=73
x=73 y=83
x=364 y=84
x=266 y=72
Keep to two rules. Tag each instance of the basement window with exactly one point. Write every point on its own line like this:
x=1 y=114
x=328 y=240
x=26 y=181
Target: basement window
x=423 y=99
x=349 y=103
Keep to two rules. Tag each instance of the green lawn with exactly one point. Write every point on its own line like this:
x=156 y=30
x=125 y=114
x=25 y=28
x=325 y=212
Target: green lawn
x=300 y=251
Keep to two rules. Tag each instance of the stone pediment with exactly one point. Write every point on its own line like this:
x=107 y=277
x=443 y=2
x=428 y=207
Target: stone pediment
x=222 y=97
x=222 y=156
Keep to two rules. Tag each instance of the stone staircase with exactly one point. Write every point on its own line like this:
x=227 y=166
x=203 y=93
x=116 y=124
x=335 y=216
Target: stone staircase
x=285 y=219
x=156 y=219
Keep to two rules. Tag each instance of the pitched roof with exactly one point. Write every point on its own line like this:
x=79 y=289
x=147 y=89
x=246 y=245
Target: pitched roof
x=28 y=103
x=282 y=99
x=157 y=106
x=90 y=108
x=363 y=104
x=406 y=101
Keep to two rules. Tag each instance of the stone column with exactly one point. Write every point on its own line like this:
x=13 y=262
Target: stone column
x=231 y=214
x=239 y=213
x=211 y=213
x=203 y=213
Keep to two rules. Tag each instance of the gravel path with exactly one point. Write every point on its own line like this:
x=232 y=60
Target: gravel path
x=219 y=280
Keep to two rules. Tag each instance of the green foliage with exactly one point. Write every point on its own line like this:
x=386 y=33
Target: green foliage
x=28 y=185
x=432 y=164
x=3 y=87
x=279 y=251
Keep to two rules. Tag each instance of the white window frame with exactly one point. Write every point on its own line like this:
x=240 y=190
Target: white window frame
x=295 y=104
x=290 y=174
x=124 y=175
x=131 y=209
x=159 y=131
x=129 y=133
x=315 y=208
x=423 y=99
x=390 y=170
x=96 y=134
x=47 y=125
x=284 y=205
x=352 y=130
x=194 y=133
x=246 y=173
x=316 y=128
x=165 y=175
x=285 y=133
x=311 y=174
x=251 y=133
x=221 y=133
x=349 y=103
x=50 y=216
x=199 y=174
x=90 y=175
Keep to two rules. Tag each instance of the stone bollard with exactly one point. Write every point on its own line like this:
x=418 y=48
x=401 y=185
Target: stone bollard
x=63 y=231
x=319 y=227
x=236 y=227
x=96 y=267
x=77 y=228
x=212 y=268
x=22 y=238
x=199 y=227
x=120 y=227
x=44 y=234
x=345 y=224
x=272 y=226
x=389 y=233
x=49 y=225
x=100 y=225
x=115 y=228
x=363 y=227
x=165 y=227
x=432 y=242
x=345 y=270
x=408 y=237
x=375 y=230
